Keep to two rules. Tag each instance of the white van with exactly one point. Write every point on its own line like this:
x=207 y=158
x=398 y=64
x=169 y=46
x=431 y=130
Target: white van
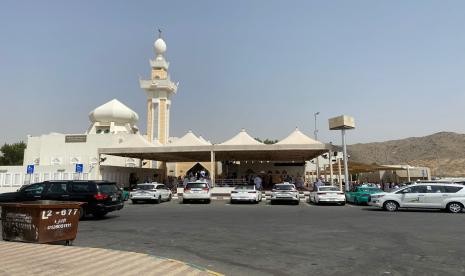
x=450 y=197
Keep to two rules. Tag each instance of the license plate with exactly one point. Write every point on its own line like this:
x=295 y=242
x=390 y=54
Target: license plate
x=114 y=198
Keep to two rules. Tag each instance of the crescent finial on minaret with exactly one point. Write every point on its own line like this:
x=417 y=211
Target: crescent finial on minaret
x=159 y=33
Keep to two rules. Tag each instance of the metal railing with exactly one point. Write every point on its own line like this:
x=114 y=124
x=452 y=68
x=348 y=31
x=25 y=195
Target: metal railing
x=229 y=182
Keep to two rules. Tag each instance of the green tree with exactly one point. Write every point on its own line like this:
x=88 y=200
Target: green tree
x=12 y=154
x=267 y=141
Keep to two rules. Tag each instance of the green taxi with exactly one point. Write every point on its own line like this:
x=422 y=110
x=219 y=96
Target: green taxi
x=360 y=194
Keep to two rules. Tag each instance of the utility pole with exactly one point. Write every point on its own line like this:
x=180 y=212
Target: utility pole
x=316 y=138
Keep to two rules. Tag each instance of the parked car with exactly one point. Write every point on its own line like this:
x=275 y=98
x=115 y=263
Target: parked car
x=450 y=197
x=327 y=194
x=359 y=194
x=246 y=193
x=284 y=192
x=198 y=190
x=150 y=192
x=99 y=197
x=125 y=193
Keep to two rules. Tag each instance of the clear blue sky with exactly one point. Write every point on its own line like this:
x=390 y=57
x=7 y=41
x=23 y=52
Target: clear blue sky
x=398 y=67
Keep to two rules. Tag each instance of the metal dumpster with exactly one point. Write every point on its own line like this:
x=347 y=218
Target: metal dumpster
x=40 y=221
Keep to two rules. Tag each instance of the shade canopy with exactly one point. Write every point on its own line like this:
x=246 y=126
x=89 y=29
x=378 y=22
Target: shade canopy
x=189 y=140
x=242 y=147
x=357 y=167
x=241 y=139
x=297 y=137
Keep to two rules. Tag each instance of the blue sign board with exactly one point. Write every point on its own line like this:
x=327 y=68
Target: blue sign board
x=79 y=168
x=30 y=169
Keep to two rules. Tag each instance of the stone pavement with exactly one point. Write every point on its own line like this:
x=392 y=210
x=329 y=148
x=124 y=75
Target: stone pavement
x=43 y=259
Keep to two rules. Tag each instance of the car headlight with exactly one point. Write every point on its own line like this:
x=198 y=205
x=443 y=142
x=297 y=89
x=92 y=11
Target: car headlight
x=376 y=196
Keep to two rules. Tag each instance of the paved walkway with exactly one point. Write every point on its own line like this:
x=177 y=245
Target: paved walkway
x=41 y=259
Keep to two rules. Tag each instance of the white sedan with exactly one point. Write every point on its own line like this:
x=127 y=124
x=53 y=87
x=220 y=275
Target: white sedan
x=284 y=192
x=327 y=194
x=153 y=192
x=246 y=193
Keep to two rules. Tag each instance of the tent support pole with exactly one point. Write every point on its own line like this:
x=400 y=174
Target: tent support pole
x=330 y=155
x=212 y=168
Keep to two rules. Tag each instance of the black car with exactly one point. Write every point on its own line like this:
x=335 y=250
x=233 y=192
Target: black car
x=99 y=197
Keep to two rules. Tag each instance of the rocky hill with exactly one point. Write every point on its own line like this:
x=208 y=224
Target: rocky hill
x=443 y=153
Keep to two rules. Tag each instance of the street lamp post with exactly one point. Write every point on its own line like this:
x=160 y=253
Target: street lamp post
x=316 y=138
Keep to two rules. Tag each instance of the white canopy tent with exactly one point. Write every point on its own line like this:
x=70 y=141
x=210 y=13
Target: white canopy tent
x=296 y=147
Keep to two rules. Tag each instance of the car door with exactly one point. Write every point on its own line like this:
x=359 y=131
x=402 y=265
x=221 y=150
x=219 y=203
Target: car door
x=413 y=197
x=57 y=191
x=82 y=191
x=350 y=195
x=435 y=195
x=33 y=192
x=164 y=191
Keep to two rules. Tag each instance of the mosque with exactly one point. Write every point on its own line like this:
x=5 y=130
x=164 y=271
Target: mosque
x=114 y=149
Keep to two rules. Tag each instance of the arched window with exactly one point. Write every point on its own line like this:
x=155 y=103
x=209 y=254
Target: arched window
x=130 y=162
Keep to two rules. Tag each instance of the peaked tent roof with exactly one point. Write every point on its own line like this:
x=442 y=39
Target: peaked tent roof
x=297 y=137
x=136 y=141
x=203 y=140
x=242 y=138
x=189 y=139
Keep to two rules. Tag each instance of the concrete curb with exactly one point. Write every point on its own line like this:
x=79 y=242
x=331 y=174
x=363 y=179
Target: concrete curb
x=43 y=259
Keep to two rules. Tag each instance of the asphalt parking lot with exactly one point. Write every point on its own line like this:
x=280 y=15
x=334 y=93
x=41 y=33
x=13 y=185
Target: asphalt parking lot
x=269 y=239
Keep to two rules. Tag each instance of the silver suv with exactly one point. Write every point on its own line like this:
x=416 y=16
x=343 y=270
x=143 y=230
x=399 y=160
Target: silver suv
x=450 y=197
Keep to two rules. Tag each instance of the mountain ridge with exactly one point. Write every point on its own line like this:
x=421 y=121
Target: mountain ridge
x=442 y=152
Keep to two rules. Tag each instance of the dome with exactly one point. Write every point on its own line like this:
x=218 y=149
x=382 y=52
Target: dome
x=160 y=46
x=113 y=111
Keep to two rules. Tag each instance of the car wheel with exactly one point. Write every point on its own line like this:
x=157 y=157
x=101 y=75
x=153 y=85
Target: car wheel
x=232 y=201
x=297 y=202
x=170 y=197
x=134 y=201
x=343 y=203
x=390 y=206
x=184 y=201
x=158 y=200
x=454 y=207
x=82 y=213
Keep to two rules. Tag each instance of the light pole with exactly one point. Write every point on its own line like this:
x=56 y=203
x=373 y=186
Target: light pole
x=316 y=138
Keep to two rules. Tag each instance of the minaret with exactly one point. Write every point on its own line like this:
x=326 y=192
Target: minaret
x=159 y=90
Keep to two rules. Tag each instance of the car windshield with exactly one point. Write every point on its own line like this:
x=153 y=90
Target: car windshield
x=398 y=189
x=245 y=187
x=145 y=187
x=283 y=187
x=370 y=190
x=107 y=188
x=325 y=189
x=196 y=185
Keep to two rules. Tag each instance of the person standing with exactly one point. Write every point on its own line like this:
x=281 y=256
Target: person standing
x=258 y=182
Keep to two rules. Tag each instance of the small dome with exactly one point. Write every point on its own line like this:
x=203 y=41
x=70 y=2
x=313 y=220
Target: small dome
x=113 y=111
x=160 y=46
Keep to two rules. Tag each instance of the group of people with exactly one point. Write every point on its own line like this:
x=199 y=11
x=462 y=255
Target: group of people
x=266 y=181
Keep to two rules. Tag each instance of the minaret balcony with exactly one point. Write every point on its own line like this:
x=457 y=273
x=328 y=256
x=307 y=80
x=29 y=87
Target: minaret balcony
x=158 y=84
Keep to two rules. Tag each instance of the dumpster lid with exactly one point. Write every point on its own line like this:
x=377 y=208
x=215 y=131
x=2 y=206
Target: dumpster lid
x=44 y=204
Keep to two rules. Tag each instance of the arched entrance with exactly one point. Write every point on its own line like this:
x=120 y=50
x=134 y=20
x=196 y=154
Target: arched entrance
x=198 y=171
